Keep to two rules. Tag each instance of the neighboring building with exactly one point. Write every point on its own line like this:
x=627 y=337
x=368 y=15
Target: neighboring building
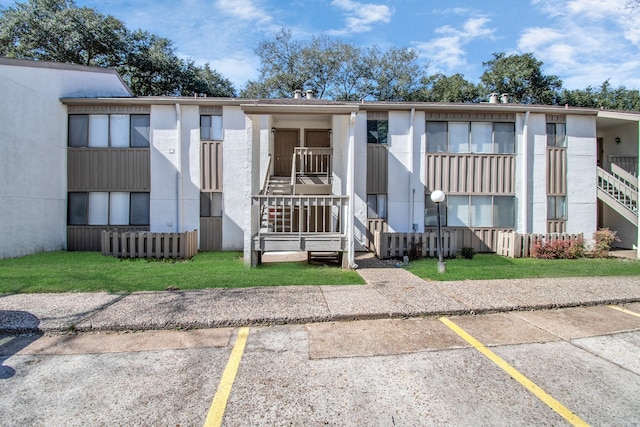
x=300 y=173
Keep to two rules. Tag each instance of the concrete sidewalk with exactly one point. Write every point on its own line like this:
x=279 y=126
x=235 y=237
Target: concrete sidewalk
x=389 y=292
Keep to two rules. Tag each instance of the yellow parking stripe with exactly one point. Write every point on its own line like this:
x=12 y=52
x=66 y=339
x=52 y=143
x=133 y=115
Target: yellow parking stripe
x=216 y=411
x=633 y=313
x=3 y=341
x=516 y=375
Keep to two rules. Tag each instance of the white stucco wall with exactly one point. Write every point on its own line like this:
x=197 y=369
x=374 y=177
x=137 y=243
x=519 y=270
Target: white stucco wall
x=360 y=177
x=33 y=139
x=538 y=173
x=235 y=204
x=164 y=169
x=400 y=183
x=581 y=175
x=190 y=167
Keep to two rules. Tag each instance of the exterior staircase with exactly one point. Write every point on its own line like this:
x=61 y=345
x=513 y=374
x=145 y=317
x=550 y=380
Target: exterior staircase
x=619 y=190
x=277 y=218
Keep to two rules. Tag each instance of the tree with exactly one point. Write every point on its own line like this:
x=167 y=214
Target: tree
x=204 y=80
x=394 y=74
x=441 y=88
x=333 y=69
x=59 y=31
x=604 y=96
x=521 y=77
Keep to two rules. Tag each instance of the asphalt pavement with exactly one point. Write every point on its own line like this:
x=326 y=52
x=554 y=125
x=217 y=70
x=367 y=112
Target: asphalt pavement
x=389 y=292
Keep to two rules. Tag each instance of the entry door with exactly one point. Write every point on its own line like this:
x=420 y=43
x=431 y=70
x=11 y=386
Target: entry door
x=285 y=140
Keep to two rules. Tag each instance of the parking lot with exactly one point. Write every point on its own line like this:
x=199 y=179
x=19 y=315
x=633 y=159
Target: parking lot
x=553 y=367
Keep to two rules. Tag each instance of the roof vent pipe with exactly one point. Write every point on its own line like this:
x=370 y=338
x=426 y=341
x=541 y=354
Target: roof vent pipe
x=493 y=98
x=504 y=98
x=297 y=93
x=309 y=94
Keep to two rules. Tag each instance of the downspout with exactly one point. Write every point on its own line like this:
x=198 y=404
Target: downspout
x=179 y=166
x=525 y=174
x=412 y=190
x=351 y=193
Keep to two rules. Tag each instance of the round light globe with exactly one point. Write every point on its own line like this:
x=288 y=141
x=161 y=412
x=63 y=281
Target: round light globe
x=437 y=196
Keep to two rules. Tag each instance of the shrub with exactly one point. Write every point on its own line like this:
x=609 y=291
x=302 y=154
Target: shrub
x=558 y=249
x=467 y=252
x=415 y=251
x=603 y=240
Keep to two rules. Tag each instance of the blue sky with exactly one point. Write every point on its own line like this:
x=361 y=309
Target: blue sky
x=584 y=42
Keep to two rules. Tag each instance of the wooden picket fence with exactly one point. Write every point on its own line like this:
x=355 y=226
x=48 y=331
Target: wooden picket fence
x=516 y=245
x=145 y=244
x=397 y=245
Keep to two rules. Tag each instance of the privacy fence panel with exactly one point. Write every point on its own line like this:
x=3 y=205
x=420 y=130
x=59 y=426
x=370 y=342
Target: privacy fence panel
x=397 y=245
x=150 y=245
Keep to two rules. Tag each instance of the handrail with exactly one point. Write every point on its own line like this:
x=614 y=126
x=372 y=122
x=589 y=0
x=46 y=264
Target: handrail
x=628 y=163
x=624 y=176
x=313 y=160
x=618 y=189
x=305 y=214
x=267 y=173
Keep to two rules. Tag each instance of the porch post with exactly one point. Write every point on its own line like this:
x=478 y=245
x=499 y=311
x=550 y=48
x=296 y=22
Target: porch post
x=251 y=174
x=351 y=192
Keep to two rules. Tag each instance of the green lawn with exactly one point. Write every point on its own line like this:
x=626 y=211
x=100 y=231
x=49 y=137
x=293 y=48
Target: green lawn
x=90 y=271
x=487 y=266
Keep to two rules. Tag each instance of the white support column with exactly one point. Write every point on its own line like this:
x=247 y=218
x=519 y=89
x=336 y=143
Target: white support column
x=251 y=178
x=351 y=192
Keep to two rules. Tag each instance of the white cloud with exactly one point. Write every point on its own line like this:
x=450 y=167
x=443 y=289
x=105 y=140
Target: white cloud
x=586 y=41
x=447 y=53
x=361 y=17
x=245 y=10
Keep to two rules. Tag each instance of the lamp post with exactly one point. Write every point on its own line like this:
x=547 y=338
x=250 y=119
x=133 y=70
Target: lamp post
x=438 y=197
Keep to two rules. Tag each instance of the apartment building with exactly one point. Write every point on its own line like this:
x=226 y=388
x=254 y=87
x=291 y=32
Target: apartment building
x=298 y=174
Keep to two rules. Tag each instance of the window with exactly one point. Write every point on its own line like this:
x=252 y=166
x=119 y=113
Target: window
x=140 y=130
x=104 y=130
x=377 y=131
x=78 y=130
x=108 y=208
x=211 y=128
x=504 y=211
x=139 y=209
x=470 y=137
x=556 y=135
x=437 y=137
x=377 y=206
x=210 y=204
x=480 y=211
x=431 y=213
x=77 y=209
x=557 y=207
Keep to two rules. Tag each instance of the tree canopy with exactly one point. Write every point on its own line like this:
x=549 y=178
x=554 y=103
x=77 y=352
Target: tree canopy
x=521 y=77
x=60 y=31
x=333 y=69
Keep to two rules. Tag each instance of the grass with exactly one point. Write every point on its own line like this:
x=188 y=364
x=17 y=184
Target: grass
x=488 y=266
x=91 y=272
